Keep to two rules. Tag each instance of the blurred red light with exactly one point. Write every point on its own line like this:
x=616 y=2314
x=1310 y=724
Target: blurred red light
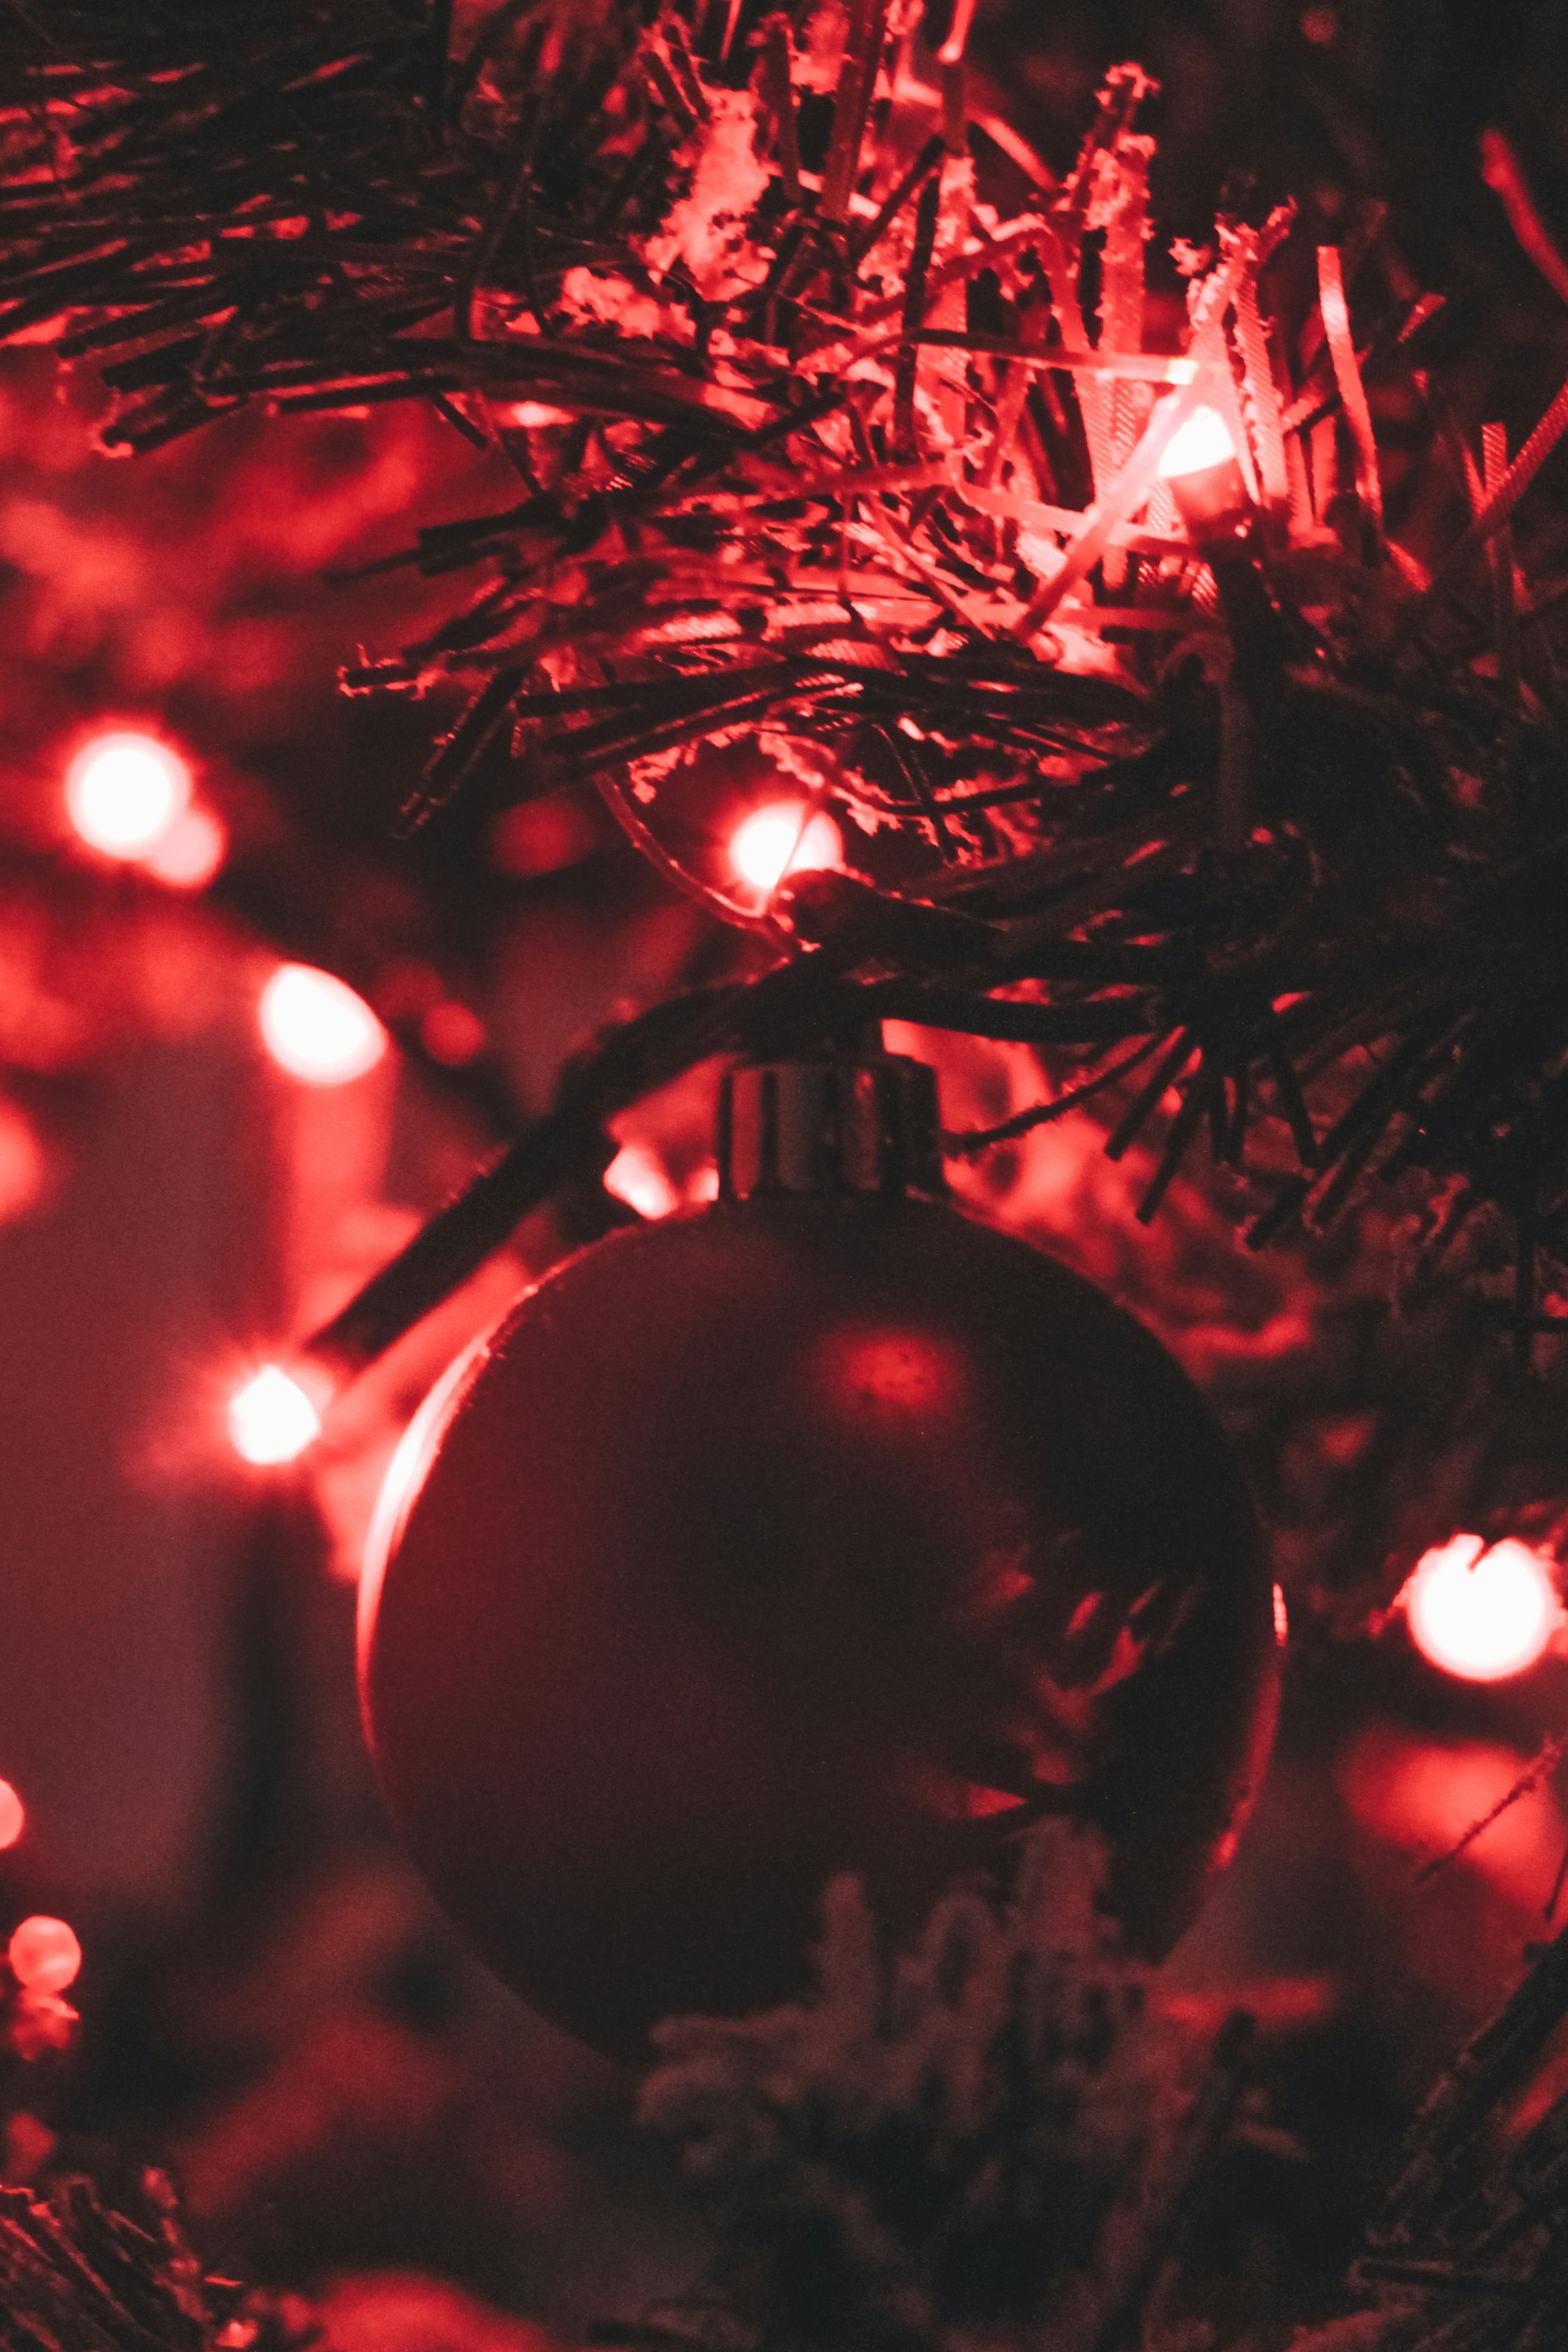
x=12 y=1815
x=44 y=1955
x=271 y=1419
x=124 y=790
x=452 y=1034
x=189 y=852
x=316 y=1028
x=1481 y=1613
x=543 y=837
x=637 y=1176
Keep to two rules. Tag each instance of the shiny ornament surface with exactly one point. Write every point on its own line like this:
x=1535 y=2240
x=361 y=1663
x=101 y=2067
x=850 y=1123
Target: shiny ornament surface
x=796 y=1536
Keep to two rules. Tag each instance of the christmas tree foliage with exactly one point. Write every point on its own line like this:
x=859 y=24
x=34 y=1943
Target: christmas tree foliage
x=835 y=423
x=993 y=2131
x=80 y=2275
x=997 y=2135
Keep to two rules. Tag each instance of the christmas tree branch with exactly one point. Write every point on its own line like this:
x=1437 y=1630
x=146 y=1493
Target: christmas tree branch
x=800 y=424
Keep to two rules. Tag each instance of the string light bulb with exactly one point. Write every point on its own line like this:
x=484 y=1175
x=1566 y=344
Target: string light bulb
x=1480 y=1612
x=781 y=839
x=316 y=1027
x=1202 y=440
x=45 y=1955
x=1200 y=464
x=12 y=1815
x=272 y=1419
x=124 y=790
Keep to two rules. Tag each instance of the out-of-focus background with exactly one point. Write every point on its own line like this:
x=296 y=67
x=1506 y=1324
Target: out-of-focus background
x=269 y=2002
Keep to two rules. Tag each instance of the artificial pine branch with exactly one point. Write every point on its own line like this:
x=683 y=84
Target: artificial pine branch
x=1467 y=2252
x=80 y=2275
x=994 y=2134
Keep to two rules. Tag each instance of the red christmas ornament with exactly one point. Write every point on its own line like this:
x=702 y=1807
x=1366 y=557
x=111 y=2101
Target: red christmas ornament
x=821 y=1530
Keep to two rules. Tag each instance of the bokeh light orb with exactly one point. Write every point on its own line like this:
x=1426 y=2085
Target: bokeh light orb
x=1200 y=441
x=1482 y=1613
x=316 y=1028
x=534 y=415
x=272 y=1419
x=190 y=851
x=637 y=1176
x=45 y=1955
x=124 y=790
x=452 y=1033
x=783 y=839
x=12 y=1815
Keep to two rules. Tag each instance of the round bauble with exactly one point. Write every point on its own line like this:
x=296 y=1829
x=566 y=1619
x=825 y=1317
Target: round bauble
x=800 y=1535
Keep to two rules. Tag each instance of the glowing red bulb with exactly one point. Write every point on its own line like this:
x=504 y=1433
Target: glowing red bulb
x=1481 y=1614
x=124 y=790
x=451 y=1032
x=272 y=1419
x=44 y=1955
x=12 y=1815
x=316 y=1028
x=188 y=852
x=1203 y=439
x=783 y=839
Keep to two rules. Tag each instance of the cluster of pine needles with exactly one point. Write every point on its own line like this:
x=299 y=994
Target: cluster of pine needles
x=834 y=416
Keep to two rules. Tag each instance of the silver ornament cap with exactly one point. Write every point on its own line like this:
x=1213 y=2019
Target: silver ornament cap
x=831 y=1124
